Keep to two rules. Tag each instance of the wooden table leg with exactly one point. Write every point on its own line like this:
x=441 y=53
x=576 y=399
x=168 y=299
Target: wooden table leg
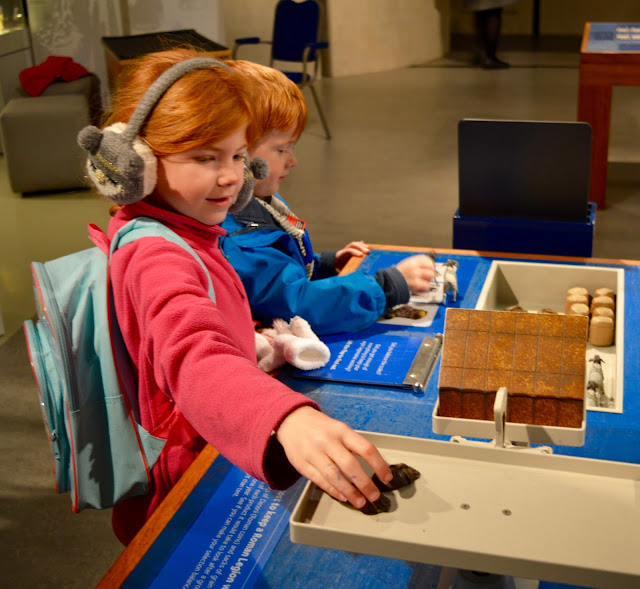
x=594 y=107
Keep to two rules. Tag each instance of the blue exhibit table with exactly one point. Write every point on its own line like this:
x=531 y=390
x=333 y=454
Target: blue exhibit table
x=222 y=528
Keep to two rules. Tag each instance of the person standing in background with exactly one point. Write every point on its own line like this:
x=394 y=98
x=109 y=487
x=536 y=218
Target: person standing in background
x=487 y=22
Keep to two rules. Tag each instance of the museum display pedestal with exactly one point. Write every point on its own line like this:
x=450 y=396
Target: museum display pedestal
x=525 y=236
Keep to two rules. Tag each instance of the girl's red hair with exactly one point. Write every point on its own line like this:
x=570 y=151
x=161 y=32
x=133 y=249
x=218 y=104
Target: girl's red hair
x=198 y=110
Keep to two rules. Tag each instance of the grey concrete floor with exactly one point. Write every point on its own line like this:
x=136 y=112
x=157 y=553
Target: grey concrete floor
x=389 y=175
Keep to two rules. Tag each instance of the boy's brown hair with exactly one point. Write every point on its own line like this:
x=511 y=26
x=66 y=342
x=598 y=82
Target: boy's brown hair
x=277 y=102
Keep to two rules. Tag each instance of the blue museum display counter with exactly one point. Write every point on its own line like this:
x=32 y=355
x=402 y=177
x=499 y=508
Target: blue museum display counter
x=222 y=528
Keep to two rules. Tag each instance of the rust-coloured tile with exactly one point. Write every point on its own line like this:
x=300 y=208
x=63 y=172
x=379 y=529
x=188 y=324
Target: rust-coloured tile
x=489 y=402
x=574 y=357
x=450 y=404
x=520 y=409
x=450 y=378
x=547 y=385
x=473 y=405
x=522 y=383
x=497 y=379
x=545 y=411
x=570 y=413
x=576 y=327
x=501 y=350
x=503 y=321
x=454 y=348
x=477 y=348
x=551 y=325
x=572 y=386
x=457 y=319
x=474 y=379
x=479 y=320
x=526 y=352
x=528 y=323
x=549 y=354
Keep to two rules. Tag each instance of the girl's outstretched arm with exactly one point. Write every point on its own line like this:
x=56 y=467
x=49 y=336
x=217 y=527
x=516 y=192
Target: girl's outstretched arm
x=324 y=450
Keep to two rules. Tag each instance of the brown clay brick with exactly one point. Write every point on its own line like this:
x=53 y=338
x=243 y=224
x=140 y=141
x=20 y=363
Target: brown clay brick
x=551 y=325
x=473 y=405
x=454 y=349
x=570 y=412
x=573 y=357
x=450 y=403
x=503 y=322
x=547 y=385
x=576 y=327
x=497 y=379
x=522 y=383
x=528 y=323
x=545 y=411
x=480 y=321
x=489 y=402
x=520 y=409
x=549 y=354
x=572 y=387
x=501 y=350
x=450 y=378
x=474 y=379
x=457 y=319
x=477 y=347
x=526 y=353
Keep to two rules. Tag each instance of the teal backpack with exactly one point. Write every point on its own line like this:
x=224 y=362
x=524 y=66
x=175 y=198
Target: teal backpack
x=101 y=453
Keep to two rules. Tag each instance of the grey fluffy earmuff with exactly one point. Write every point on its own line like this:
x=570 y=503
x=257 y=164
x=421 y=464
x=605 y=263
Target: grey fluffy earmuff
x=122 y=166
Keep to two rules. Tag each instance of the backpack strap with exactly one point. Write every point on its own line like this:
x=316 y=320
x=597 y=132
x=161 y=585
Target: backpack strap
x=136 y=229
x=148 y=227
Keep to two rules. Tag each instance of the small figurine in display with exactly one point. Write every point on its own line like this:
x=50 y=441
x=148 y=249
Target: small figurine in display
x=595 y=383
x=451 y=278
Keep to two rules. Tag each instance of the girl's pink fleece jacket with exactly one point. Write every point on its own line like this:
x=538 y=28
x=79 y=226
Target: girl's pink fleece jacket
x=198 y=381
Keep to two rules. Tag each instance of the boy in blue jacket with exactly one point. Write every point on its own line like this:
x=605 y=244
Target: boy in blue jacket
x=270 y=249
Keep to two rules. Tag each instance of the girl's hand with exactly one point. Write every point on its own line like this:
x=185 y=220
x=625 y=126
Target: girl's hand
x=355 y=248
x=418 y=271
x=324 y=450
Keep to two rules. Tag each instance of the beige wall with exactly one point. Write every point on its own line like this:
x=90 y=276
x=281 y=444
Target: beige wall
x=378 y=35
x=365 y=35
x=557 y=17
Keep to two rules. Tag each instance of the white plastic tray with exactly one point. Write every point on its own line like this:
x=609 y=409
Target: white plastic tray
x=536 y=286
x=514 y=432
x=545 y=517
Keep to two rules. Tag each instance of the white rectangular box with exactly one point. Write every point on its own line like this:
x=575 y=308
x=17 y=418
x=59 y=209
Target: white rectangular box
x=535 y=286
x=538 y=516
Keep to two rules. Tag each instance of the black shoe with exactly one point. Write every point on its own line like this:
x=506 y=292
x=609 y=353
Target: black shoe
x=493 y=63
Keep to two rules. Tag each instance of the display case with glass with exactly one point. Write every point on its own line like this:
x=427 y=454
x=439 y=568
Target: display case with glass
x=12 y=16
x=15 y=47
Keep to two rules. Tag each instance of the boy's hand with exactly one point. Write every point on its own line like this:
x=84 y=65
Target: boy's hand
x=324 y=450
x=418 y=271
x=355 y=248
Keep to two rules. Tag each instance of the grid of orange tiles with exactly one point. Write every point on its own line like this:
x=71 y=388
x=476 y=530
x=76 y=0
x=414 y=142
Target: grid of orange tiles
x=540 y=358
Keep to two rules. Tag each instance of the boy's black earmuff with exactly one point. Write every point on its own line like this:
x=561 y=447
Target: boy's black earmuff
x=122 y=166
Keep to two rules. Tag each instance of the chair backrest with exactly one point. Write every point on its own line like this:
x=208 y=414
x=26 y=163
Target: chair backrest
x=295 y=25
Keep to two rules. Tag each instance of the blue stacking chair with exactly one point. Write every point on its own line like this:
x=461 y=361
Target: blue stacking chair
x=296 y=28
